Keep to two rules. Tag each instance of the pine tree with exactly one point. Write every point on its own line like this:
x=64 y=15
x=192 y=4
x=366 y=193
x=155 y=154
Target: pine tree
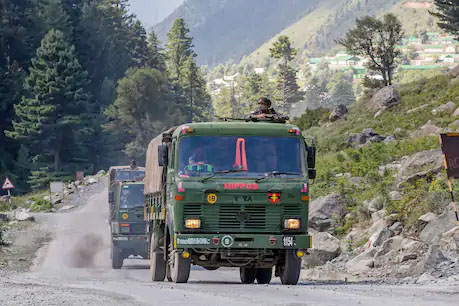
x=287 y=89
x=222 y=103
x=340 y=89
x=194 y=88
x=141 y=54
x=157 y=58
x=253 y=87
x=188 y=85
x=178 y=48
x=448 y=13
x=52 y=113
x=53 y=16
x=139 y=112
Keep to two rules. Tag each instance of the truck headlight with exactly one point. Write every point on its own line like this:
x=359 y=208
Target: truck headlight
x=193 y=223
x=291 y=224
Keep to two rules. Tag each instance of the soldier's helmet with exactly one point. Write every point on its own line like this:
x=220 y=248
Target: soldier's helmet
x=264 y=100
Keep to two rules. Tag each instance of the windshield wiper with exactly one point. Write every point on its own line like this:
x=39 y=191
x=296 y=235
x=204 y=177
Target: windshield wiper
x=222 y=172
x=276 y=173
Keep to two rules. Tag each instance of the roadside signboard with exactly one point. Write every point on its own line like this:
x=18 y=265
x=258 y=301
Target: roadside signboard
x=79 y=175
x=57 y=187
x=7 y=185
x=450 y=148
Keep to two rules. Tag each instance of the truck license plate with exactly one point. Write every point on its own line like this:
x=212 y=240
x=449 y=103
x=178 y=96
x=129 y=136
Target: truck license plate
x=288 y=241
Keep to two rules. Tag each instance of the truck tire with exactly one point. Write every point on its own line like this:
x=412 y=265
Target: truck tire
x=157 y=264
x=264 y=275
x=247 y=275
x=179 y=267
x=290 y=270
x=117 y=257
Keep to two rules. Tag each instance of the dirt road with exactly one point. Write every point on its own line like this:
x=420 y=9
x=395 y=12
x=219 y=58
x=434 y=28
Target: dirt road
x=74 y=269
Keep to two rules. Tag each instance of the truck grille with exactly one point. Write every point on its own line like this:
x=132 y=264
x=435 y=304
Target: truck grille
x=240 y=217
x=137 y=228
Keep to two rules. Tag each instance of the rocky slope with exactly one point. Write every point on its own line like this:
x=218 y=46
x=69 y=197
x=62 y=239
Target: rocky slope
x=382 y=207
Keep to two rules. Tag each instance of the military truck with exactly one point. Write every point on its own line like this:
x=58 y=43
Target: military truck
x=127 y=222
x=118 y=174
x=228 y=194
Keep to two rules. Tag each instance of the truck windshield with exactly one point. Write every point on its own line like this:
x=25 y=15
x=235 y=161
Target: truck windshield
x=248 y=156
x=129 y=175
x=131 y=196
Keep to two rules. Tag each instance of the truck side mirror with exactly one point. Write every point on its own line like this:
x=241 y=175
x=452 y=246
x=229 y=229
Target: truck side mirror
x=163 y=155
x=111 y=197
x=311 y=157
x=312 y=174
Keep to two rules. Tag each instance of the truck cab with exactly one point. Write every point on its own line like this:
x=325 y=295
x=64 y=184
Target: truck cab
x=229 y=194
x=127 y=224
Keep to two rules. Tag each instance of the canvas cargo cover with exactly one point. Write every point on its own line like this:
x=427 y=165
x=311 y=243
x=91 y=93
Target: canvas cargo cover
x=153 y=173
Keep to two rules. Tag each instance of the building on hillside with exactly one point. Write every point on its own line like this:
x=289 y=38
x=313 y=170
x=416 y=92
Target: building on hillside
x=259 y=70
x=419 y=67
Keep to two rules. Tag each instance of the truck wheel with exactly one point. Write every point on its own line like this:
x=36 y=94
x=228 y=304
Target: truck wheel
x=290 y=270
x=117 y=258
x=247 y=275
x=168 y=273
x=263 y=275
x=179 y=267
x=157 y=265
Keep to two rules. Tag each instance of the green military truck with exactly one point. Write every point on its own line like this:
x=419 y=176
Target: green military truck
x=228 y=194
x=127 y=222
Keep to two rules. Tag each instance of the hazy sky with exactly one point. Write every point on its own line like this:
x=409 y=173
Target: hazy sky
x=151 y=12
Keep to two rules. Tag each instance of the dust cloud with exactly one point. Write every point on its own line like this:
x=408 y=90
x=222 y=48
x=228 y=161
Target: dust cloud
x=81 y=238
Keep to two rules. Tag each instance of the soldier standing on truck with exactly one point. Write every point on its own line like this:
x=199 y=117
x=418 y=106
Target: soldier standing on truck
x=265 y=111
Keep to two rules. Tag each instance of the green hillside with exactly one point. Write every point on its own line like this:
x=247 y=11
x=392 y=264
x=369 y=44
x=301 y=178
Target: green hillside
x=336 y=157
x=317 y=31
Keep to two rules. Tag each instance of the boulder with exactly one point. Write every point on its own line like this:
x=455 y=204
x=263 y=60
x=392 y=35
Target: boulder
x=427 y=129
x=91 y=180
x=385 y=98
x=323 y=209
x=407 y=256
x=325 y=248
x=455 y=123
x=395 y=196
x=454 y=73
x=366 y=137
x=379 y=215
x=362 y=262
x=390 y=139
x=434 y=257
x=379 y=237
x=417 y=109
x=430 y=216
x=374 y=205
x=397 y=228
x=22 y=215
x=338 y=112
x=456 y=112
x=425 y=279
x=392 y=244
x=445 y=108
x=432 y=232
x=431 y=160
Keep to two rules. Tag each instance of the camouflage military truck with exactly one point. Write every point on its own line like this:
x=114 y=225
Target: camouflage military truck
x=127 y=222
x=228 y=194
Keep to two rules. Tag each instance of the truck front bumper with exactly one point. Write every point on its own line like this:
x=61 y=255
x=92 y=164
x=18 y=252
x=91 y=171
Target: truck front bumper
x=242 y=241
x=131 y=244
